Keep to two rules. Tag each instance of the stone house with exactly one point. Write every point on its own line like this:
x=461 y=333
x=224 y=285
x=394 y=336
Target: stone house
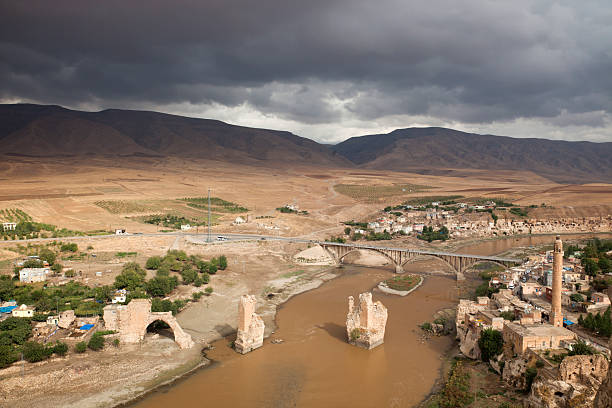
x=31 y=275
x=23 y=311
x=600 y=298
x=535 y=336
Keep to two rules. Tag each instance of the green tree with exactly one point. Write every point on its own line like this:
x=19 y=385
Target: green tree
x=590 y=266
x=7 y=288
x=212 y=269
x=34 y=352
x=604 y=264
x=103 y=293
x=576 y=297
x=131 y=277
x=8 y=355
x=581 y=348
x=161 y=286
x=347 y=231
x=47 y=255
x=222 y=262
x=16 y=329
x=491 y=344
x=57 y=268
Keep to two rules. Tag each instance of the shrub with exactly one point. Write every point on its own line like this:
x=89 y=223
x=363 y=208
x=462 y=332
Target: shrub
x=153 y=262
x=426 y=327
x=581 y=348
x=539 y=364
x=196 y=295
x=96 y=342
x=491 y=343
x=60 y=348
x=530 y=375
x=212 y=269
x=80 y=347
x=70 y=273
x=222 y=262
x=116 y=342
x=34 y=352
x=355 y=334
x=69 y=247
x=205 y=278
x=8 y=355
x=189 y=276
x=57 y=268
x=456 y=392
x=507 y=315
x=208 y=291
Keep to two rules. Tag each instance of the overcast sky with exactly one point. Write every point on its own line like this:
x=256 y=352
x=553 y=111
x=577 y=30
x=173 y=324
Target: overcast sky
x=324 y=69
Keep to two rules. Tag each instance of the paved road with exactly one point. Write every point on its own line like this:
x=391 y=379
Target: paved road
x=222 y=237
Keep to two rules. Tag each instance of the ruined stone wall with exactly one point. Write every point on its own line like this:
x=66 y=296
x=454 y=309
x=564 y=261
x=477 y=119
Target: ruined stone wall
x=132 y=320
x=365 y=324
x=250 y=326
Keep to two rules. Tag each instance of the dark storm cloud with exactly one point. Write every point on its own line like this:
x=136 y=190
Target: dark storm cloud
x=315 y=61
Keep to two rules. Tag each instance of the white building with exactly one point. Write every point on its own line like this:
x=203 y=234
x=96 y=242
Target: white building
x=120 y=231
x=120 y=296
x=9 y=226
x=31 y=275
x=23 y=311
x=239 y=220
x=185 y=227
x=53 y=320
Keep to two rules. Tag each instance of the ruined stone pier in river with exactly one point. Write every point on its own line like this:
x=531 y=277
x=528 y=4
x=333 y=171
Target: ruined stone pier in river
x=250 y=326
x=365 y=323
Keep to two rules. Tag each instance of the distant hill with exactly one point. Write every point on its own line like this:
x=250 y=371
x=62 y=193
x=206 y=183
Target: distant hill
x=432 y=150
x=53 y=131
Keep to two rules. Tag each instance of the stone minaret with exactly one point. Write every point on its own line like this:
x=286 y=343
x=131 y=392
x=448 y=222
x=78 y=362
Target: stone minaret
x=556 y=316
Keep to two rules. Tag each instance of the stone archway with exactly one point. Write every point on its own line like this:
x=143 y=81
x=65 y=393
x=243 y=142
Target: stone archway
x=132 y=320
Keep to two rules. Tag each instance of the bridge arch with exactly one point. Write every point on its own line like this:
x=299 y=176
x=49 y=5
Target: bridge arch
x=387 y=257
x=414 y=258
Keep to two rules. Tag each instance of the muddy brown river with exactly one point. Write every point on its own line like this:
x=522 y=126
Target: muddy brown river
x=316 y=367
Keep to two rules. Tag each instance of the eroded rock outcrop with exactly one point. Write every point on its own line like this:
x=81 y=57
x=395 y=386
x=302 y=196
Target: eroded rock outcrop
x=514 y=372
x=604 y=395
x=250 y=326
x=365 y=323
x=469 y=344
x=576 y=385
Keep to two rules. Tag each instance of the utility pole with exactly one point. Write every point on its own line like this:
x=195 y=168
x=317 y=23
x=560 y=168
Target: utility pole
x=209 y=238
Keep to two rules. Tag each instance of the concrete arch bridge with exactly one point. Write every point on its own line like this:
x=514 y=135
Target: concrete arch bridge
x=400 y=256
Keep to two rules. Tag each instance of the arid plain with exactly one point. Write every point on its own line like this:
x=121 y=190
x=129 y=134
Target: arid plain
x=103 y=194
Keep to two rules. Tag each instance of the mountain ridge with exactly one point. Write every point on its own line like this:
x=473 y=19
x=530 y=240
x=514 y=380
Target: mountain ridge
x=32 y=130
x=420 y=149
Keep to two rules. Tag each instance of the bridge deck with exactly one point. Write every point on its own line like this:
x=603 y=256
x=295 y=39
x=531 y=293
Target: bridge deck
x=422 y=252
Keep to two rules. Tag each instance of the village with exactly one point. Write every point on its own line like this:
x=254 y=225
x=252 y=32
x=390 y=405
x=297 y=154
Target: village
x=543 y=327
x=463 y=220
